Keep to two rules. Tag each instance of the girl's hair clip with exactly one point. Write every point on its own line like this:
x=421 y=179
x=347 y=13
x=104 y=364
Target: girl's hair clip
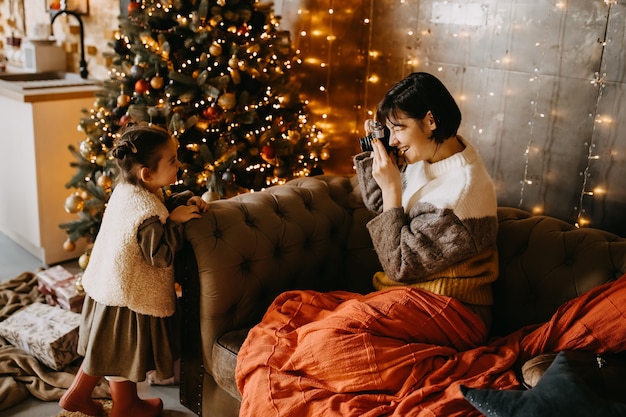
x=132 y=147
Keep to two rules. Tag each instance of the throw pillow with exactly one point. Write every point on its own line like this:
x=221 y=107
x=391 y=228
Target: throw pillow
x=559 y=392
x=604 y=374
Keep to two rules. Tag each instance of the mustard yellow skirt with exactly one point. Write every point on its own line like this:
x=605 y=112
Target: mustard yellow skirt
x=116 y=341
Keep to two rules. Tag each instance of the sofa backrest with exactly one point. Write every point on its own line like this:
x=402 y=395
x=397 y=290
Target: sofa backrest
x=545 y=262
x=311 y=234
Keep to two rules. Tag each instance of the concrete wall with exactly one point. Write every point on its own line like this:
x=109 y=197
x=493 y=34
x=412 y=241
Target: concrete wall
x=540 y=84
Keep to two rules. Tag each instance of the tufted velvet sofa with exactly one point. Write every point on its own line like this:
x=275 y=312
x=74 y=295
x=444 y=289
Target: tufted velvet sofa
x=310 y=233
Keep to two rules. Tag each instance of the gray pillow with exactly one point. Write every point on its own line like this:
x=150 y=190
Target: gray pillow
x=559 y=392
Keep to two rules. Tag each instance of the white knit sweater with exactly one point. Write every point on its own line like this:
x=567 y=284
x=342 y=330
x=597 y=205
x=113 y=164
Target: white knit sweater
x=443 y=238
x=117 y=273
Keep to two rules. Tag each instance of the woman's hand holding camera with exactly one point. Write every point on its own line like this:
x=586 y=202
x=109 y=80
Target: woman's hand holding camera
x=386 y=174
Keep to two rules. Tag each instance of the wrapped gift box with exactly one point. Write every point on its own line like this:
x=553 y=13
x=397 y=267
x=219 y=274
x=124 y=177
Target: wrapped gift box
x=59 y=286
x=48 y=333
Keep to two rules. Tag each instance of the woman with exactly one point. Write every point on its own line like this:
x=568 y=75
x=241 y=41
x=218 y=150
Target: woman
x=437 y=225
x=395 y=351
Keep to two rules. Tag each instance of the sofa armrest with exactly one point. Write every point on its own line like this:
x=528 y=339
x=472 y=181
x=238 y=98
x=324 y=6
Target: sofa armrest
x=251 y=247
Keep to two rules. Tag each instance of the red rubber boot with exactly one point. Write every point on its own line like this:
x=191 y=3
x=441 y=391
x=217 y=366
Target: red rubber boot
x=126 y=403
x=78 y=395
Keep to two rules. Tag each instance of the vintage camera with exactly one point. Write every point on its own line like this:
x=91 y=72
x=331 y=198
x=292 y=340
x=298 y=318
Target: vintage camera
x=377 y=131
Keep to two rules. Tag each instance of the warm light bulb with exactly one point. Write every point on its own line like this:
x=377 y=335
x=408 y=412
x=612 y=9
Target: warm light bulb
x=582 y=222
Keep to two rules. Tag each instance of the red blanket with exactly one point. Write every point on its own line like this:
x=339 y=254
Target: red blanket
x=401 y=352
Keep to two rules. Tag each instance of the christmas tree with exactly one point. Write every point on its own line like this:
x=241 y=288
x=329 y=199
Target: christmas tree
x=218 y=74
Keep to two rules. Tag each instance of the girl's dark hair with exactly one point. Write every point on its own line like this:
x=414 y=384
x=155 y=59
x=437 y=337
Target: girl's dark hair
x=417 y=94
x=139 y=146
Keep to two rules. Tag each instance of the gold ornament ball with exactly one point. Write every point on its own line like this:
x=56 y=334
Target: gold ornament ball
x=157 y=82
x=123 y=100
x=69 y=246
x=84 y=194
x=294 y=136
x=83 y=261
x=215 y=20
x=105 y=181
x=101 y=159
x=79 y=284
x=215 y=49
x=74 y=203
x=227 y=101
x=254 y=48
x=235 y=76
x=87 y=149
x=233 y=62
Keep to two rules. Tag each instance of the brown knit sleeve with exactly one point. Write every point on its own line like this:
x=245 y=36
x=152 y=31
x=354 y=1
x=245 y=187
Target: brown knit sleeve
x=159 y=242
x=371 y=192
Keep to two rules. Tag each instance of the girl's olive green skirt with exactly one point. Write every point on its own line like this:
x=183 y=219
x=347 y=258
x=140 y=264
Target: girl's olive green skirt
x=116 y=341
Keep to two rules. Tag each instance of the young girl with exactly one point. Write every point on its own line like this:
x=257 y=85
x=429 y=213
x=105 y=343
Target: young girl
x=128 y=321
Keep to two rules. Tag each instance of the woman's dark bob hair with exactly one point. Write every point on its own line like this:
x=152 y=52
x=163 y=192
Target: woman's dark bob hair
x=415 y=96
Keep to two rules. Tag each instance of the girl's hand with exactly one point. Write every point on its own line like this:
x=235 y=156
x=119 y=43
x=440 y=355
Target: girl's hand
x=198 y=202
x=183 y=214
x=387 y=175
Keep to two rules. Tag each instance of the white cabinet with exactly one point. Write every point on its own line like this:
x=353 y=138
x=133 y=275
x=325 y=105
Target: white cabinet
x=36 y=129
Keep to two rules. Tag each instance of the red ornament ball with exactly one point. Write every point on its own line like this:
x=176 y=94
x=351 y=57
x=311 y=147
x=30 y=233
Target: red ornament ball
x=133 y=6
x=243 y=30
x=142 y=86
x=268 y=151
x=211 y=112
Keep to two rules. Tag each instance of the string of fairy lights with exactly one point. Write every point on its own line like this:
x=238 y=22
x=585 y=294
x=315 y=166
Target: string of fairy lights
x=600 y=82
x=581 y=215
x=534 y=79
x=542 y=110
x=317 y=31
x=532 y=150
